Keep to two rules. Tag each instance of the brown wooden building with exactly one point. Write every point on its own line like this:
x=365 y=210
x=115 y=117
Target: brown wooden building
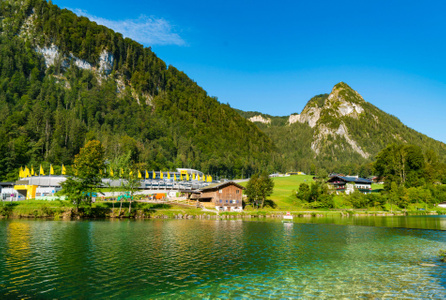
x=226 y=196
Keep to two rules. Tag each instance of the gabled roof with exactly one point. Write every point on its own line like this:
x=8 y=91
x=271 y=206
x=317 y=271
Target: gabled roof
x=218 y=186
x=350 y=179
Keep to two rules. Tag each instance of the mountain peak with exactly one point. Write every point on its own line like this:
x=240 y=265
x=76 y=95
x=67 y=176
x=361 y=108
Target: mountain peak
x=342 y=101
x=344 y=93
x=328 y=113
x=342 y=85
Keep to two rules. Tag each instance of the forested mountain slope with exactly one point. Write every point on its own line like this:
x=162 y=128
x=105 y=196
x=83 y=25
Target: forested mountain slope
x=339 y=131
x=65 y=80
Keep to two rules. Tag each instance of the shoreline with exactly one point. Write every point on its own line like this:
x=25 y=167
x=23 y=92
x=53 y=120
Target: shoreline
x=138 y=214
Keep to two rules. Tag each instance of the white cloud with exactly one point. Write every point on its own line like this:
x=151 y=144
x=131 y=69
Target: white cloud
x=146 y=30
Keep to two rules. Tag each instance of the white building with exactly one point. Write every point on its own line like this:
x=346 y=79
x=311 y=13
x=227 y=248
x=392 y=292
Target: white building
x=350 y=184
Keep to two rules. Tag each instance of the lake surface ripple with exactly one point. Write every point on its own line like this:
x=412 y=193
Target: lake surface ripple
x=183 y=259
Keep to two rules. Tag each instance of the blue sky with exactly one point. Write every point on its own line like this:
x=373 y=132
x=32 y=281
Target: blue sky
x=273 y=56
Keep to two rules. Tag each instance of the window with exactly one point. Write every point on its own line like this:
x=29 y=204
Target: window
x=226 y=201
x=237 y=191
x=221 y=201
x=220 y=191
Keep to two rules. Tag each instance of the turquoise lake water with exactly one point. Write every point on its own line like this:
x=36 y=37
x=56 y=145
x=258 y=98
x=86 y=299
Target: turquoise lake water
x=183 y=259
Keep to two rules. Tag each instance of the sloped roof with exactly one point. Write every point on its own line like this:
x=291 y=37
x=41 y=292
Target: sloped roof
x=351 y=179
x=220 y=185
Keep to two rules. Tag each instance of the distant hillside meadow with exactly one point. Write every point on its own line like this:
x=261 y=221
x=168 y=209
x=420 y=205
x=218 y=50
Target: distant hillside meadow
x=65 y=80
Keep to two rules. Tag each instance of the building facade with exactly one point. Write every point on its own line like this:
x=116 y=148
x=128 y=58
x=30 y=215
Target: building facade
x=347 y=184
x=37 y=187
x=225 y=196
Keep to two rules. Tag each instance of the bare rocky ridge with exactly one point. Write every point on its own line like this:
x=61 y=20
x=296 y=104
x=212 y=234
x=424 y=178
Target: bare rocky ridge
x=260 y=119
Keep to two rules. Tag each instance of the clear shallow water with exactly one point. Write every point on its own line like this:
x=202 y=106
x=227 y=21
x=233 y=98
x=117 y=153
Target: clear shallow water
x=420 y=222
x=174 y=259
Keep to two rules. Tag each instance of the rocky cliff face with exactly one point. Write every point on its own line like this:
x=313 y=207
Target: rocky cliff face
x=293 y=119
x=328 y=119
x=260 y=119
x=53 y=56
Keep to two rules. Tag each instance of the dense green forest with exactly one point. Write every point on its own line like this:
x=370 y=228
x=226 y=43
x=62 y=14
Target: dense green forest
x=140 y=107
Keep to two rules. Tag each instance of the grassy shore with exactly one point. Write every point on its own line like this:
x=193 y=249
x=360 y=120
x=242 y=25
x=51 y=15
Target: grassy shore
x=140 y=210
x=107 y=209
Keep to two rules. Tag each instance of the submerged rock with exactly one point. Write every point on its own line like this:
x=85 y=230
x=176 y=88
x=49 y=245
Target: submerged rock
x=428 y=265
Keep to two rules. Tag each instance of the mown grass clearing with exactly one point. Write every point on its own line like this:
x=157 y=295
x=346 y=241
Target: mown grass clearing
x=284 y=190
x=286 y=187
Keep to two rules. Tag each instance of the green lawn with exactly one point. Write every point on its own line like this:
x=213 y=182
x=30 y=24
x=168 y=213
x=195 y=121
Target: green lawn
x=285 y=188
x=377 y=187
x=283 y=195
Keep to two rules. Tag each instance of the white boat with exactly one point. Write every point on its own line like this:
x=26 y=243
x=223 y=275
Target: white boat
x=287 y=217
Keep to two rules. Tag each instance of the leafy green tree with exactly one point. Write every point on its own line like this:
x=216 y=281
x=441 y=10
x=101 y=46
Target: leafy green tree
x=315 y=191
x=303 y=192
x=251 y=190
x=322 y=174
x=398 y=196
x=316 y=195
x=259 y=187
x=402 y=164
x=357 y=199
x=375 y=200
x=438 y=193
x=88 y=165
x=74 y=189
x=265 y=187
x=420 y=195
